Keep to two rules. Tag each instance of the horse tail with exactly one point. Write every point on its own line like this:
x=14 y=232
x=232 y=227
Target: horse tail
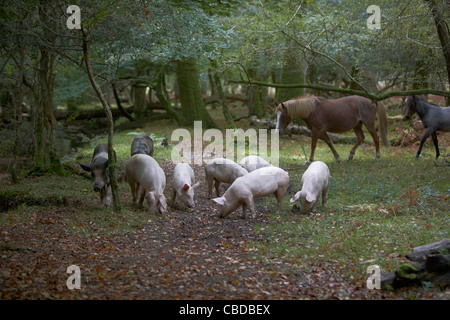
x=382 y=123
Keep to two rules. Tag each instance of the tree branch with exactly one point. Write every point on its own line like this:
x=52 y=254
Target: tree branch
x=371 y=96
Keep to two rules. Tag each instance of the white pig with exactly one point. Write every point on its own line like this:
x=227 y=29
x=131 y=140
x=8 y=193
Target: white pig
x=314 y=182
x=251 y=163
x=144 y=173
x=256 y=184
x=222 y=170
x=183 y=183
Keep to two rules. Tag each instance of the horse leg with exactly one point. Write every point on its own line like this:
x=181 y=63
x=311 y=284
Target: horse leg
x=359 y=140
x=435 y=141
x=376 y=140
x=314 y=136
x=324 y=136
x=422 y=141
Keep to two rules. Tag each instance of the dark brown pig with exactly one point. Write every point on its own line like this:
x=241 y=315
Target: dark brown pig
x=142 y=144
x=98 y=167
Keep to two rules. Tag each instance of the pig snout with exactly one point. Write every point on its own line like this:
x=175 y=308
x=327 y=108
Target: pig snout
x=98 y=186
x=190 y=203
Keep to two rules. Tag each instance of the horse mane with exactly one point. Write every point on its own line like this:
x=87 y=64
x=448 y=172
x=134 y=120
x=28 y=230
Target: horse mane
x=421 y=99
x=301 y=107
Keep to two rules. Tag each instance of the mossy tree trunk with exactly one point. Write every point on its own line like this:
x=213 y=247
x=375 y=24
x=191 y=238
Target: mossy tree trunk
x=291 y=73
x=313 y=76
x=254 y=96
x=163 y=96
x=443 y=30
x=17 y=103
x=356 y=72
x=421 y=75
x=191 y=99
x=223 y=99
x=139 y=100
x=46 y=158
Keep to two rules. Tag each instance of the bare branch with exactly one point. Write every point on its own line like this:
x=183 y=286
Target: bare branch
x=373 y=97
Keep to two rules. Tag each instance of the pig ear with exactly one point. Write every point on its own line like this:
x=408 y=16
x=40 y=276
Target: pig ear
x=185 y=188
x=220 y=200
x=196 y=185
x=295 y=198
x=162 y=200
x=86 y=166
x=310 y=197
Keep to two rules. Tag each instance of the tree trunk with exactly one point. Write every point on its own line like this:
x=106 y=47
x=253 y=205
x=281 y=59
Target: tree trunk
x=46 y=158
x=212 y=84
x=421 y=74
x=119 y=103
x=354 y=83
x=47 y=81
x=17 y=102
x=313 y=77
x=139 y=100
x=255 y=105
x=191 y=99
x=443 y=33
x=162 y=95
x=226 y=111
x=111 y=159
x=291 y=73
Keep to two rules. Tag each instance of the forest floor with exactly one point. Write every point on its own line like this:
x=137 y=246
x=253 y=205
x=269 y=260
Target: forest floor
x=183 y=254
x=377 y=211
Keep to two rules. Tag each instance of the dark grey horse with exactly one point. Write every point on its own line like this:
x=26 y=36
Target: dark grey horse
x=434 y=118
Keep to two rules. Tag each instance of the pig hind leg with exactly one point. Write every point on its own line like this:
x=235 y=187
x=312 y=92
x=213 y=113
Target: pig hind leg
x=279 y=198
x=209 y=180
x=133 y=190
x=217 y=186
x=324 y=196
x=279 y=194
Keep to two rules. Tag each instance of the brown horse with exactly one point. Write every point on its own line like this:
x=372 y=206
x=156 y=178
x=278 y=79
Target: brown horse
x=339 y=115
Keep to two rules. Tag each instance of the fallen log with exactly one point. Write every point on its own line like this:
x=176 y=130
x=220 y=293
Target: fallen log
x=296 y=129
x=99 y=113
x=420 y=253
x=229 y=97
x=431 y=264
x=89 y=114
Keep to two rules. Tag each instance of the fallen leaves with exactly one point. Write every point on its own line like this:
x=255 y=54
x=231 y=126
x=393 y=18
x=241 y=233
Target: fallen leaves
x=179 y=255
